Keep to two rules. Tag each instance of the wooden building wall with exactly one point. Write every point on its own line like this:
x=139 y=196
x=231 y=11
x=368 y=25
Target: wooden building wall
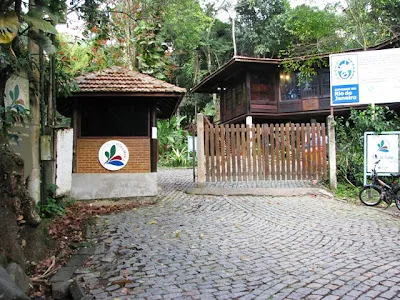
x=265 y=91
x=233 y=98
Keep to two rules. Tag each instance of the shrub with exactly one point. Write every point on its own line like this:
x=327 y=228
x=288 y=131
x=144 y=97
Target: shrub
x=350 y=139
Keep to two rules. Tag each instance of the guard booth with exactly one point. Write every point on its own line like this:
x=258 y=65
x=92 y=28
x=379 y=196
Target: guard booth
x=114 y=117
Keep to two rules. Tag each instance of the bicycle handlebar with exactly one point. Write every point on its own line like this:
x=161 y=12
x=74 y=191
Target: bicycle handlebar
x=374 y=169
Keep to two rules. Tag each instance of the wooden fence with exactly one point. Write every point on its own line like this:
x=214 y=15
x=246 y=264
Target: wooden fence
x=267 y=152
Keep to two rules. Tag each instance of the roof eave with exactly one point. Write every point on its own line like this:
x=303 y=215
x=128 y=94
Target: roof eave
x=126 y=94
x=232 y=61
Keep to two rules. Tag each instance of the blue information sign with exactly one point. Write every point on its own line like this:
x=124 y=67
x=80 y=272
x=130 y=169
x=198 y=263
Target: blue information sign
x=344 y=94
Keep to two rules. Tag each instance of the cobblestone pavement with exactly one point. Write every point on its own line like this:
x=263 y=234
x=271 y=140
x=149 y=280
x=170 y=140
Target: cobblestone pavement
x=244 y=247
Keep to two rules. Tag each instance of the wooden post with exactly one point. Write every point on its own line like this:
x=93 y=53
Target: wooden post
x=332 y=152
x=201 y=174
x=249 y=137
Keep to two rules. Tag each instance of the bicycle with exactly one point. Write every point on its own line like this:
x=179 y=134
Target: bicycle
x=373 y=194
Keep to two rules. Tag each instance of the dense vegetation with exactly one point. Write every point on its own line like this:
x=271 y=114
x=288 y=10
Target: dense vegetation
x=181 y=41
x=350 y=139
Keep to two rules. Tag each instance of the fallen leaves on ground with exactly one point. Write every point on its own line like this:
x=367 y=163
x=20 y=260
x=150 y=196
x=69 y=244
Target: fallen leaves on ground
x=68 y=233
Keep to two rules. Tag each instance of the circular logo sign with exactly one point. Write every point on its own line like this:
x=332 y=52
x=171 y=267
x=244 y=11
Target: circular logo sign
x=113 y=155
x=345 y=69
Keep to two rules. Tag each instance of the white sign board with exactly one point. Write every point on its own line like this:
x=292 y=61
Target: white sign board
x=365 y=77
x=383 y=147
x=113 y=155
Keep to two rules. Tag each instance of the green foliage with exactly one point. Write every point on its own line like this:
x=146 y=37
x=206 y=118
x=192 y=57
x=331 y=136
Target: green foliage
x=312 y=30
x=150 y=51
x=9 y=25
x=172 y=142
x=72 y=60
x=52 y=207
x=14 y=56
x=178 y=157
x=260 y=27
x=209 y=110
x=34 y=19
x=388 y=13
x=350 y=139
x=347 y=192
x=307 y=68
x=184 y=24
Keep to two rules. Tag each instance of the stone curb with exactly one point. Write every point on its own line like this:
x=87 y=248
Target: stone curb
x=62 y=286
x=272 y=192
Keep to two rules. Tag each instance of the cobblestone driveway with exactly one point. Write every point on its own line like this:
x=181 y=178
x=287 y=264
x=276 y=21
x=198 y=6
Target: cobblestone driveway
x=216 y=247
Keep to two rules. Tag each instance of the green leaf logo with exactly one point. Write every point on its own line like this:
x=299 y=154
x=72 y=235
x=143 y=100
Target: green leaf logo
x=113 y=150
x=107 y=154
x=16 y=92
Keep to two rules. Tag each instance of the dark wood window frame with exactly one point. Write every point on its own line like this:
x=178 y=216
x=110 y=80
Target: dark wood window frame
x=292 y=90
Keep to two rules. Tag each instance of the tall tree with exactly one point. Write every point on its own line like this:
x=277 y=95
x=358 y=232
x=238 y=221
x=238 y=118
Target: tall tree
x=364 y=26
x=260 y=27
x=313 y=30
x=387 y=13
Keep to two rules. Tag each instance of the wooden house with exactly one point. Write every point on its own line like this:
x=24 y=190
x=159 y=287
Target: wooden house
x=114 y=116
x=259 y=88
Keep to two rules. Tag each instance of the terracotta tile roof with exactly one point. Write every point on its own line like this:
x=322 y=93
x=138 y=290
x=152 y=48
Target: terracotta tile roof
x=122 y=80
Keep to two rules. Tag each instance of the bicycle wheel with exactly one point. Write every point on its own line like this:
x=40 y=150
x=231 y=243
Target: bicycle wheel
x=370 y=195
x=397 y=197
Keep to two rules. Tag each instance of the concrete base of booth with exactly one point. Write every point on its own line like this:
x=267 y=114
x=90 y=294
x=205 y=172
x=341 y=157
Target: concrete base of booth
x=105 y=186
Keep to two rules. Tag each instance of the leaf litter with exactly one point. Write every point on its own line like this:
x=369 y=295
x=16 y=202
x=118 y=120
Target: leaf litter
x=68 y=233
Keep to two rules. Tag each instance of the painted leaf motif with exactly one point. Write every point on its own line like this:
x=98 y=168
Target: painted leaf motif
x=116 y=163
x=382 y=142
x=113 y=149
x=16 y=92
x=12 y=96
x=9 y=26
x=107 y=154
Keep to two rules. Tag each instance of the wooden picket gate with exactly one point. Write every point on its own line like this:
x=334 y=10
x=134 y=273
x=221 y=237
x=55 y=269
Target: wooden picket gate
x=267 y=152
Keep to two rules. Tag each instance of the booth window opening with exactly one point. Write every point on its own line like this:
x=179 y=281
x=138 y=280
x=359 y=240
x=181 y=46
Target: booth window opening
x=119 y=118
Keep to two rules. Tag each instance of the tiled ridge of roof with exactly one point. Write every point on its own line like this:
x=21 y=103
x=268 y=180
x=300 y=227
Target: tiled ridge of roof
x=122 y=80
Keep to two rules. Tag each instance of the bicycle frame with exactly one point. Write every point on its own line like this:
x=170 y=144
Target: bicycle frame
x=381 y=183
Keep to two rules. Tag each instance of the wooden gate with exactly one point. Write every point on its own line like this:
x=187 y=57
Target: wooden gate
x=267 y=152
